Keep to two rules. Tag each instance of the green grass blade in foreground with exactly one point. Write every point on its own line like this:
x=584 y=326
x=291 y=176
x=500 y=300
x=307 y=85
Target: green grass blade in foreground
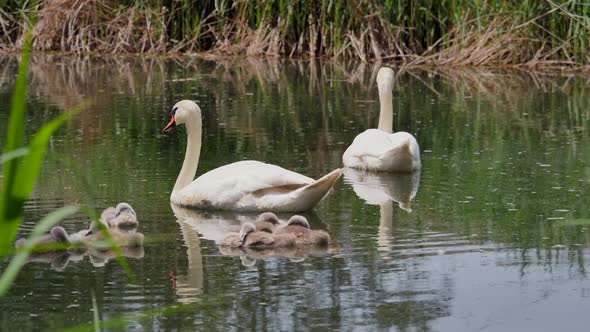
x=24 y=178
x=13 y=154
x=27 y=174
x=10 y=214
x=20 y=258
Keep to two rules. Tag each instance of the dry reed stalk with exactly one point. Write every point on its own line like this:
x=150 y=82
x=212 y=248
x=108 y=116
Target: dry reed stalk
x=499 y=44
x=313 y=29
x=95 y=26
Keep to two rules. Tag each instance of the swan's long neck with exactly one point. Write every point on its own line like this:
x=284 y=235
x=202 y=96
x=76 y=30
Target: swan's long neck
x=191 y=157
x=386 y=211
x=386 y=112
x=385 y=232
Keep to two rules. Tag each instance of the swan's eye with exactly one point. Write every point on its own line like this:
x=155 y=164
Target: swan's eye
x=173 y=112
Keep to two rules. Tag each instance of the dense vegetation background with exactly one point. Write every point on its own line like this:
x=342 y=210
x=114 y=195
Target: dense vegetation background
x=411 y=32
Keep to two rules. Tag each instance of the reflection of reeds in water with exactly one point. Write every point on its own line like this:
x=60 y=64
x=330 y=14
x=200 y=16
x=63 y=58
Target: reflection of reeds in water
x=67 y=81
x=241 y=87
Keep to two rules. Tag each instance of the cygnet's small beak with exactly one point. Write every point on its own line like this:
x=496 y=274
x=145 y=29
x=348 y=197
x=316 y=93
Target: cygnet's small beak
x=171 y=124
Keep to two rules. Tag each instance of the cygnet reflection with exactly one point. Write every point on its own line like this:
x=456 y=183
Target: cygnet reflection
x=249 y=256
x=59 y=260
x=218 y=225
x=100 y=257
x=60 y=248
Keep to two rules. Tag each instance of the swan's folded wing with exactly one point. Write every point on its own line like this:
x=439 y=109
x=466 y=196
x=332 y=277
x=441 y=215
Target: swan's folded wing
x=371 y=144
x=228 y=184
x=377 y=150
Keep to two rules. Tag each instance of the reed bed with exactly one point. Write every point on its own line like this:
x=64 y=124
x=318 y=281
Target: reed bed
x=531 y=33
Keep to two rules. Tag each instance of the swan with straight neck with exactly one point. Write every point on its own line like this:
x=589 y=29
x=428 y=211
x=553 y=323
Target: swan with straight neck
x=381 y=149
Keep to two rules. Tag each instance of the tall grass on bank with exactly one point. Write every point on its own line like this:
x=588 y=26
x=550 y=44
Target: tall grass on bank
x=411 y=32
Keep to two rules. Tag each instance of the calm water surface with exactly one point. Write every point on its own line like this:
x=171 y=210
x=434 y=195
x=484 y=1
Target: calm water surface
x=492 y=235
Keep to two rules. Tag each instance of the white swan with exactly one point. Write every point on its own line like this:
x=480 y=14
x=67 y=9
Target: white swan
x=379 y=149
x=243 y=185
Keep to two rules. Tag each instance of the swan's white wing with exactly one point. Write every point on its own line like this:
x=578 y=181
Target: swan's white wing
x=372 y=142
x=375 y=149
x=223 y=187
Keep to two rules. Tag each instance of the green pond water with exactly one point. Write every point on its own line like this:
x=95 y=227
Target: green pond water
x=494 y=234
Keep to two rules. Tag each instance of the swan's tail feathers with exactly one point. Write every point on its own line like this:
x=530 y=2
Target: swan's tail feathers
x=400 y=158
x=403 y=148
x=406 y=146
x=309 y=196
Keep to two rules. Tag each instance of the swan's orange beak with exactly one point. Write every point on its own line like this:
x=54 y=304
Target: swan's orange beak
x=171 y=124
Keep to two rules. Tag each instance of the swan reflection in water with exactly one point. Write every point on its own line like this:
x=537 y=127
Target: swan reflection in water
x=213 y=226
x=190 y=285
x=383 y=189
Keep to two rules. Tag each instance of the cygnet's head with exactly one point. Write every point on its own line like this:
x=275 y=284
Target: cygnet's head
x=59 y=234
x=247 y=228
x=125 y=216
x=385 y=78
x=183 y=112
x=268 y=217
x=124 y=208
x=299 y=221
